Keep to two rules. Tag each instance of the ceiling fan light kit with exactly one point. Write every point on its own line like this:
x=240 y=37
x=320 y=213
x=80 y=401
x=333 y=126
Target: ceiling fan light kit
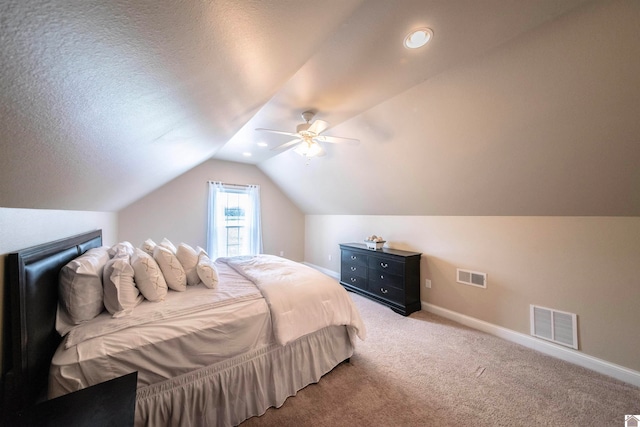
x=308 y=149
x=307 y=137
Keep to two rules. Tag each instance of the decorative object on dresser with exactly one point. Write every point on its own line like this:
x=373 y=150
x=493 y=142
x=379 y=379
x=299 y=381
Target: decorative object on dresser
x=374 y=242
x=388 y=276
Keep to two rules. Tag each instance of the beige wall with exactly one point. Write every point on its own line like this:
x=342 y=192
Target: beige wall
x=178 y=210
x=22 y=228
x=583 y=265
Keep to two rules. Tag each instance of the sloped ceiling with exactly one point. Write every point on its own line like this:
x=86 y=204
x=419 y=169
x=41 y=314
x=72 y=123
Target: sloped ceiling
x=104 y=101
x=548 y=123
x=515 y=108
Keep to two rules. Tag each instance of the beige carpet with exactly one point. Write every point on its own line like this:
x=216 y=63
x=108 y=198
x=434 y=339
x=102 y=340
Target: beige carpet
x=424 y=370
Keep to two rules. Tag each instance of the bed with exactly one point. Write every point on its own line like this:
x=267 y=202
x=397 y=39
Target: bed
x=240 y=349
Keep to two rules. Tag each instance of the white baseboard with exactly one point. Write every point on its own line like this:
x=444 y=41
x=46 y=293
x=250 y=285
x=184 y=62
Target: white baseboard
x=326 y=271
x=573 y=356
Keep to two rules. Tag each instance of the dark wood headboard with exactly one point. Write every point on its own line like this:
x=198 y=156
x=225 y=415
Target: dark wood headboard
x=30 y=315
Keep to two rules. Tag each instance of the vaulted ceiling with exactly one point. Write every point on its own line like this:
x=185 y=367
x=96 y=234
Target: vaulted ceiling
x=525 y=107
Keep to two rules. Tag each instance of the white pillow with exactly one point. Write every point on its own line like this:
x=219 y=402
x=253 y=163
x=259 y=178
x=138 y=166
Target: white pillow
x=207 y=271
x=120 y=292
x=148 y=246
x=167 y=244
x=80 y=287
x=148 y=276
x=121 y=249
x=171 y=268
x=188 y=257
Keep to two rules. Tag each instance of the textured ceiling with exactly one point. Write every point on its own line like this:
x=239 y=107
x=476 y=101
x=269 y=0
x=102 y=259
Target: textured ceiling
x=104 y=101
x=516 y=107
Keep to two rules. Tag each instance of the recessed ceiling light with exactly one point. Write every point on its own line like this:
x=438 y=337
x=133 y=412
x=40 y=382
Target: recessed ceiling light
x=418 y=38
x=246 y=154
x=262 y=144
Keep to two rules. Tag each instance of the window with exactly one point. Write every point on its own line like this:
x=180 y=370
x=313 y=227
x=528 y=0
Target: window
x=233 y=225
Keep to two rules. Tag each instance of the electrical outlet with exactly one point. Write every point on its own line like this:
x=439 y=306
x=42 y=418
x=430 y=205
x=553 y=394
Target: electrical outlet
x=329 y=257
x=427 y=283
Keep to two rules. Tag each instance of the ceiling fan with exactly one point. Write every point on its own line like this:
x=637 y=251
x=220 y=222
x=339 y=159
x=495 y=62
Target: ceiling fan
x=308 y=138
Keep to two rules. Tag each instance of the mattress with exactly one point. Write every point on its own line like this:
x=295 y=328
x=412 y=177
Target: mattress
x=235 y=320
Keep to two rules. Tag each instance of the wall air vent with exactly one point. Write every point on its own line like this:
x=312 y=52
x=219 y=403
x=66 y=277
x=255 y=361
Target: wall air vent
x=556 y=326
x=472 y=278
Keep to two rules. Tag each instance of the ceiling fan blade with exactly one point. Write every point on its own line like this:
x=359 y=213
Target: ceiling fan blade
x=277 y=131
x=318 y=127
x=287 y=144
x=336 y=139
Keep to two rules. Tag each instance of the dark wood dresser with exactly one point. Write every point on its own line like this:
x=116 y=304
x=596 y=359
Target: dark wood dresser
x=389 y=276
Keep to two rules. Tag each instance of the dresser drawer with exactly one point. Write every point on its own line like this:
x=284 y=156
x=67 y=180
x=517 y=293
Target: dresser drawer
x=354 y=270
x=382 y=279
x=385 y=265
x=358 y=282
x=353 y=258
x=389 y=293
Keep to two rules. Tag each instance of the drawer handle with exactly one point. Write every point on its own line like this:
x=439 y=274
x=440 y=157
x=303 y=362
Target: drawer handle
x=384 y=265
x=354 y=280
x=353 y=268
x=383 y=290
x=354 y=257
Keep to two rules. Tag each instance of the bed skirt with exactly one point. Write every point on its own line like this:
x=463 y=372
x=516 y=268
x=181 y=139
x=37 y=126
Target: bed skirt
x=229 y=392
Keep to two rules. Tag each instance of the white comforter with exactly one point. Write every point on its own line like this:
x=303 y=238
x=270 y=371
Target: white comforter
x=300 y=298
